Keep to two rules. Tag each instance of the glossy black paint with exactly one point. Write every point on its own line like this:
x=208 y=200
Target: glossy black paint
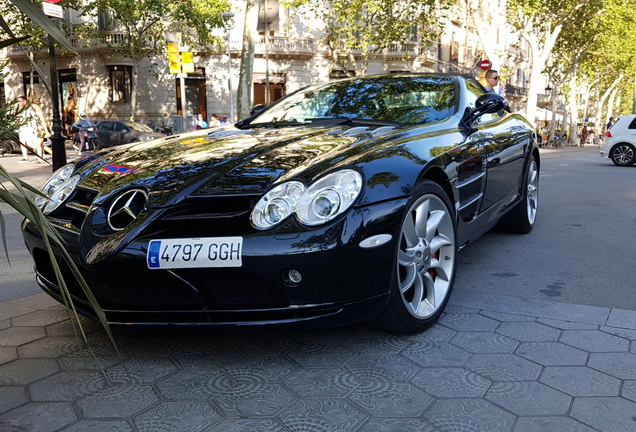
x=205 y=184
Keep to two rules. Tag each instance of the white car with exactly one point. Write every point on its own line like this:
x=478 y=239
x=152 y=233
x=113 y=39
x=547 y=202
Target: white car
x=620 y=141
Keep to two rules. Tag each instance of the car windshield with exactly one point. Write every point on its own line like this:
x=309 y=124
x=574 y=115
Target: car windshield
x=138 y=127
x=404 y=99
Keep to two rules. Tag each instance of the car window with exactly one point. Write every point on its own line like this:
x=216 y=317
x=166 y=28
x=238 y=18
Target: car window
x=474 y=91
x=408 y=100
x=632 y=125
x=105 y=125
x=118 y=127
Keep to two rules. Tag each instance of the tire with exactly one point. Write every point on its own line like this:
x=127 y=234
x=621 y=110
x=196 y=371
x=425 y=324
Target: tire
x=523 y=216
x=425 y=262
x=623 y=154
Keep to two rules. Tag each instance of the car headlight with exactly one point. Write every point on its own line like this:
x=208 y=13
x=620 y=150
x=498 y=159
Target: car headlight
x=321 y=202
x=277 y=204
x=57 y=189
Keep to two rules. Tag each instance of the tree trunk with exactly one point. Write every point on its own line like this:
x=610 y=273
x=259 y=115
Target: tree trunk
x=574 y=110
x=133 y=89
x=244 y=90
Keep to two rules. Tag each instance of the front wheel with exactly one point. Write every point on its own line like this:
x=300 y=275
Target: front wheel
x=623 y=154
x=425 y=263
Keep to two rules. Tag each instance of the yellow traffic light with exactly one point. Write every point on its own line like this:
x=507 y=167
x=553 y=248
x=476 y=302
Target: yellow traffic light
x=187 y=62
x=173 y=57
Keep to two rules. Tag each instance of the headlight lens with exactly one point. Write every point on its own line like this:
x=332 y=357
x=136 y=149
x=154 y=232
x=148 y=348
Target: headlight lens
x=60 y=195
x=321 y=202
x=277 y=204
x=57 y=189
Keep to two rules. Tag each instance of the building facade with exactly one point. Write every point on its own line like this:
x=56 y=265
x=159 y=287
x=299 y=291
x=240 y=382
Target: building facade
x=289 y=54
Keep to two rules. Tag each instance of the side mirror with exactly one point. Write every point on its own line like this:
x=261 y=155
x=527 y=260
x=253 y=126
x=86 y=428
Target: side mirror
x=488 y=103
x=256 y=109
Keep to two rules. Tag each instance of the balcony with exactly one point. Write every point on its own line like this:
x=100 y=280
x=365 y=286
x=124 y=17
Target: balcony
x=285 y=47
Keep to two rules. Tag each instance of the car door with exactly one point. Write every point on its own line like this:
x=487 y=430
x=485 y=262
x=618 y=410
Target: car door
x=502 y=138
x=119 y=133
x=105 y=133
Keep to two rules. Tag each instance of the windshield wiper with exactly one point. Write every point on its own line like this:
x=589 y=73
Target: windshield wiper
x=273 y=124
x=334 y=121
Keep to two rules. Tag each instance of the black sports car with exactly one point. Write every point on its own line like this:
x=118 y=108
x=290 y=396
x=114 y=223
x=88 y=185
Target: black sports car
x=342 y=202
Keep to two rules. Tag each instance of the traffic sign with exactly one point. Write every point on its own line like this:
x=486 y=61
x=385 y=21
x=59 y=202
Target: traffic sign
x=485 y=65
x=52 y=10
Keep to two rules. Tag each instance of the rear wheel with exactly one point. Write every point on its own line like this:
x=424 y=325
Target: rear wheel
x=623 y=154
x=425 y=263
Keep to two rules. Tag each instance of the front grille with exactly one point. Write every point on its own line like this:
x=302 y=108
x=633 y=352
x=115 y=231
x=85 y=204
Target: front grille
x=235 y=288
x=134 y=288
x=205 y=217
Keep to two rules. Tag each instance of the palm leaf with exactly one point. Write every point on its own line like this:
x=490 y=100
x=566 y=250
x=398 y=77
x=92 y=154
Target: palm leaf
x=12 y=41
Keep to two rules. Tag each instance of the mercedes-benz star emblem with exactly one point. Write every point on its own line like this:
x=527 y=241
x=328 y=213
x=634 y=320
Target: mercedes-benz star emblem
x=125 y=209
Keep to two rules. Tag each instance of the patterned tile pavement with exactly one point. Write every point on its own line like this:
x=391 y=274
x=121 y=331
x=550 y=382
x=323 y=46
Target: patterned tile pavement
x=490 y=364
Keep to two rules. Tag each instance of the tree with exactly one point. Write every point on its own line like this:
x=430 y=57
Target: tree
x=143 y=24
x=540 y=23
x=355 y=30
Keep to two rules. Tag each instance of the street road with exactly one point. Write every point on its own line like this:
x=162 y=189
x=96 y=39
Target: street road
x=581 y=250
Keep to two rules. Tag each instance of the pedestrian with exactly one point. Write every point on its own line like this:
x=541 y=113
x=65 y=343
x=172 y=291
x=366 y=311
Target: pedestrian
x=201 y=124
x=82 y=124
x=583 y=136
x=41 y=131
x=26 y=132
x=492 y=80
x=214 y=121
x=610 y=123
x=544 y=136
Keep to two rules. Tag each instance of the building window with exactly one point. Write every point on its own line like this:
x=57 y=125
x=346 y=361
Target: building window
x=106 y=21
x=454 y=50
x=120 y=79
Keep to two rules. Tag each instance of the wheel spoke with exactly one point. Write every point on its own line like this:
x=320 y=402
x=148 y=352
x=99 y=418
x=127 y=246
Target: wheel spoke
x=433 y=223
x=439 y=241
x=422 y=219
x=409 y=231
x=419 y=289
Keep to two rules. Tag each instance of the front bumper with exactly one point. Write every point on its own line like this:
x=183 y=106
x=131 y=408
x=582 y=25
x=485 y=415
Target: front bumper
x=341 y=282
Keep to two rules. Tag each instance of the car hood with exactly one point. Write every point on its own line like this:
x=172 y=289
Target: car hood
x=230 y=161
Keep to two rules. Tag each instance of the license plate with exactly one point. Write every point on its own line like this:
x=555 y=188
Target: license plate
x=195 y=252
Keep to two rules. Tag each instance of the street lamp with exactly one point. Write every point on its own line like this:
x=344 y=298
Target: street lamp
x=548 y=89
x=226 y=17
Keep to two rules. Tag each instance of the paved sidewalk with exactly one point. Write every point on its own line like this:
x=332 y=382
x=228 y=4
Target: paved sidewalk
x=478 y=369
x=492 y=363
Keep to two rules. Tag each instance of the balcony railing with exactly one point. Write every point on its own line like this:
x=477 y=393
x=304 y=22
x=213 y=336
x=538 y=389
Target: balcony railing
x=278 y=46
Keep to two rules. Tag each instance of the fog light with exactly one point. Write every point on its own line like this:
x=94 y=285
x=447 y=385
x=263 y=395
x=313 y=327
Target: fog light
x=294 y=276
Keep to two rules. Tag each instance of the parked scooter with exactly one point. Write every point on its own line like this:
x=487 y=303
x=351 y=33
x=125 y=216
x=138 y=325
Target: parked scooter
x=166 y=130
x=91 y=143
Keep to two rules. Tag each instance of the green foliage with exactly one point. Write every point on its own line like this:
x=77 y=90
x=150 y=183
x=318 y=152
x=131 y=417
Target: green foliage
x=355 y=29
